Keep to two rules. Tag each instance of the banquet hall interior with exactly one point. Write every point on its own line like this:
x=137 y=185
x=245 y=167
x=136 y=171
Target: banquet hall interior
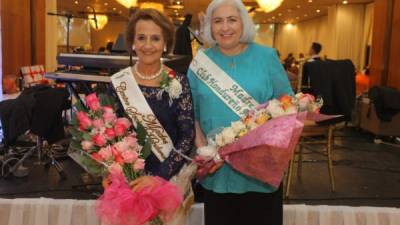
x=346 y=51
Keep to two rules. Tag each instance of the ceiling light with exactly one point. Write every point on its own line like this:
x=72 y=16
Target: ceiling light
x=345 y=2
x=318 y=11
x=269 y=5
x=279 y=14
x=298 y=6
x=152 y=5
x=76 y=2
x=98 y=22
x=106 y=3
x=309 y=1
x=289 y=25
x=175 y=5
x=128 y=3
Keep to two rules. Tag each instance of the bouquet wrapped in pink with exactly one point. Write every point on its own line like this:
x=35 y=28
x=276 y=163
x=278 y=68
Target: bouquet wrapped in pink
x=112 y=147
x=261 y=144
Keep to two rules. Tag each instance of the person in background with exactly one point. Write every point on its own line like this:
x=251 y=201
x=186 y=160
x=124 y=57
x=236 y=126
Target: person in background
x=301 y=58
x=314 y=51
x=102 y=49
x=183 y=42
x=231 y=197
x=109 y=46
x=289 y=61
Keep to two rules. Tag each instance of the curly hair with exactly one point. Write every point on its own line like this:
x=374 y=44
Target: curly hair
x=166 y=25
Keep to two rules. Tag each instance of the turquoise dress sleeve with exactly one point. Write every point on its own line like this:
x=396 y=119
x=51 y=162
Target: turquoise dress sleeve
x=257 y=70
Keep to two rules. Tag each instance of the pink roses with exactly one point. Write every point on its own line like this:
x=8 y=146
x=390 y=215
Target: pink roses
x=93 y=102
x=107 y=138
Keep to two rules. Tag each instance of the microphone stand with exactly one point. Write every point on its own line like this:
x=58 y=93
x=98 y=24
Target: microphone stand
x=94 y=15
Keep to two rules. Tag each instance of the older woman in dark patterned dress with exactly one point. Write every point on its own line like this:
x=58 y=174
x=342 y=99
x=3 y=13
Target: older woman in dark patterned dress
x=150 y=34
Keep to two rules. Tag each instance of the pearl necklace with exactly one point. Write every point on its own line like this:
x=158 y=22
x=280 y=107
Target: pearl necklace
x=144 y=77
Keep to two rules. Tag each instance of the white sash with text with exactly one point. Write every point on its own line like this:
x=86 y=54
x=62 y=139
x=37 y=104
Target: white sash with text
x=138 y=109
x=230 y=92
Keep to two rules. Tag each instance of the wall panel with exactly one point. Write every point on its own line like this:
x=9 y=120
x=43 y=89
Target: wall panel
x=16 y=35
x=394 y=59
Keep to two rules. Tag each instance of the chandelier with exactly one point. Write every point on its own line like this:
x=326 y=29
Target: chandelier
x=128 y=3
x=97 y=22
x=269 y=5
x=152 y=5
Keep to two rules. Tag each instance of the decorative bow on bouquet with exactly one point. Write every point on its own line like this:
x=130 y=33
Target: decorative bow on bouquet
x=261 y=144
x=112 y=147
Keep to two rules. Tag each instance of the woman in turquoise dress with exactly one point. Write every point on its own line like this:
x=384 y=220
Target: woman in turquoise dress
x=231 y=197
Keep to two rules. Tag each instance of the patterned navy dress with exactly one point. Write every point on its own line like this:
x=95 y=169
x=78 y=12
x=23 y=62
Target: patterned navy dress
x=178 y=121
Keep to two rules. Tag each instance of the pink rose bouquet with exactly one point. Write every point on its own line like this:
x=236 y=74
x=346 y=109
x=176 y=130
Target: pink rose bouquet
x=112 y=147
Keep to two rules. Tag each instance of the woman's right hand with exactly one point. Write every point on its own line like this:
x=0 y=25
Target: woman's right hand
x=204 y=167
x=106 y=182
x=143 y=182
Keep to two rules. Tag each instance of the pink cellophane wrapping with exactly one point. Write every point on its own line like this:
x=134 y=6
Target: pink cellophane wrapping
x=264 y=152
x=119 y=205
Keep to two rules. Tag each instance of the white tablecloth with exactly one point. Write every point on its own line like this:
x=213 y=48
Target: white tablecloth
x=45 y=211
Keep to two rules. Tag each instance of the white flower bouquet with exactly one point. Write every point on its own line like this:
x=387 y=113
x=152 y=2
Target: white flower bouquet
x=261 y=144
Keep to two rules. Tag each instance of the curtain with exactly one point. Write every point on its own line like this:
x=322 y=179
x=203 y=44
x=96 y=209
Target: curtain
x=367 y=35
x=297 y=38
x=51 y=38
x=343 y=33
x=349 y=29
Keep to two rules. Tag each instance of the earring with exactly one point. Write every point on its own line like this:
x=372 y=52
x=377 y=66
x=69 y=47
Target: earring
x=165 y=48
x=133 y=48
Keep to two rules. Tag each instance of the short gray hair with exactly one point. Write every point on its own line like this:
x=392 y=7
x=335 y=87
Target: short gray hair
x=248 y=25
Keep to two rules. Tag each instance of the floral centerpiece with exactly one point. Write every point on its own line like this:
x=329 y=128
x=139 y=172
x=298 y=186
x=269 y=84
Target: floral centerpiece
x=112 y=147
x=261 y=144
